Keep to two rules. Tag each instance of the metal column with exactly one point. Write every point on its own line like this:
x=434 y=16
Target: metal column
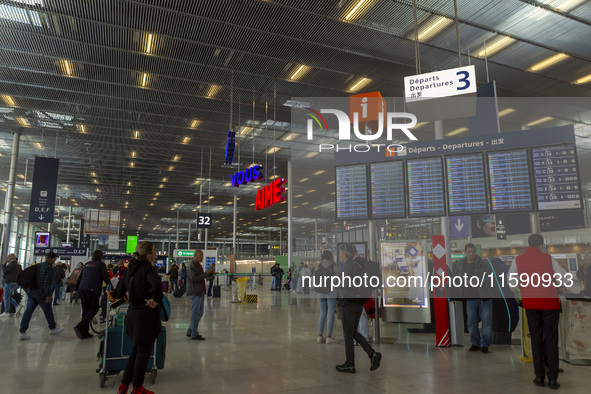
x=70 y=218
x=189 y=236
x=235 y=218
x=10 y=194
x=289 y=213
x=177 y=229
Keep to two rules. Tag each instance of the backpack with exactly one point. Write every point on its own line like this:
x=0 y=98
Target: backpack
x=372 y=269
x=165 y=309
x=320 y=274
x=27 y=279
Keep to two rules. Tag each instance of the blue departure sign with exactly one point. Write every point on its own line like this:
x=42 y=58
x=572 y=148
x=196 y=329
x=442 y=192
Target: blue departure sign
x=387 y=190
x=557 y=177
x=351 y=192
x=466 y=185
x=510 y=189
x=426 y=190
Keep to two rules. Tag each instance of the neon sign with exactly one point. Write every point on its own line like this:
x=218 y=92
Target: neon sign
x=251 y=174
x=270 y=194
x=230 y=147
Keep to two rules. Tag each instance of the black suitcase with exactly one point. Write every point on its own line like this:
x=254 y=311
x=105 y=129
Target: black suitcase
x=217 y=291
x=179 y=291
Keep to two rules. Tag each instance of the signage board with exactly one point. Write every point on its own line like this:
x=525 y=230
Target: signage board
x=61 y=251
x=42 y=206
x=204 y=220
x=444 y=83
x=459 y=227
x=131 y=244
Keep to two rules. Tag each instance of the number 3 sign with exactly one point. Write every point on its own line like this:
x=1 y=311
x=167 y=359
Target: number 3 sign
x=204 y=220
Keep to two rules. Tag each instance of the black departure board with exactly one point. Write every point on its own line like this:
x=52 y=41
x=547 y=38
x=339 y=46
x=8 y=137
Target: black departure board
x=557 y=177
x=426 y=191
x=351 y=192
x=387 y=190
x=510 y=189
x=466 y=185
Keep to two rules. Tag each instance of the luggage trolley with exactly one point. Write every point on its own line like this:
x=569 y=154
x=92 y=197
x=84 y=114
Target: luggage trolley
x=115 y=346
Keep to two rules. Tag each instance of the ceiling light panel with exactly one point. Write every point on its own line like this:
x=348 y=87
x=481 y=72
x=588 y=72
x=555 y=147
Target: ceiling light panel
x=433 y=28
x=360 y=83
x=8 y=100
x=495 y=46
x=298 y=72
x=552 y=60
x=66 y=67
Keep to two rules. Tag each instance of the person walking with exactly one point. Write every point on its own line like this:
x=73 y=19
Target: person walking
x=143 y=286
x=58 y=275
x=40 y=295
x=196 y=291
x=174 y=277
x=351 y=309
x=10 y=271
x=90 y=288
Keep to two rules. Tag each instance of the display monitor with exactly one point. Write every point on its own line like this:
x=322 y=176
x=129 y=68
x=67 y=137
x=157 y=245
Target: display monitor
x=387 y=190
x=351 y=192
x=557 y=177
x=426 y=190
x=66 y=244
x=131 y=244
x=208 y=262
x=466 y=184
x=42 y=239
x=510 y=189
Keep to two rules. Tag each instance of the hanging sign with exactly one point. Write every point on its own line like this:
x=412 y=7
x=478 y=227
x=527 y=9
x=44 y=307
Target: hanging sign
x=251 y=174
x=270 y=194
x=43 y=191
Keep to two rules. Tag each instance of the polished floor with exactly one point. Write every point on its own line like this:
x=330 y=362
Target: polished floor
x=269 y=347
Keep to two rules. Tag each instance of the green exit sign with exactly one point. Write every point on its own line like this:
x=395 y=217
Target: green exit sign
x=184 y=253
x=457 y=255
x=131 y=244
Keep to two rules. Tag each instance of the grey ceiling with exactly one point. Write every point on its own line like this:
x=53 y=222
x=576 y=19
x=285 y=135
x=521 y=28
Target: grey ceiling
x=205 y=53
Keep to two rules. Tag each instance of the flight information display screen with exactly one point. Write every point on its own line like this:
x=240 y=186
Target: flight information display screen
x=387 y=190
x=510 y=189
x=466 y=185
x=426 y=191
x=557 y=177
x=351 y=192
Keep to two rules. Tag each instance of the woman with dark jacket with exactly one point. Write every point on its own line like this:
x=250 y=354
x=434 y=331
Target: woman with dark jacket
x=144 y=289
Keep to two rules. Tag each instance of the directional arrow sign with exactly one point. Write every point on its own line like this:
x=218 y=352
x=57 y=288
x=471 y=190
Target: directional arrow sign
x=460 y=226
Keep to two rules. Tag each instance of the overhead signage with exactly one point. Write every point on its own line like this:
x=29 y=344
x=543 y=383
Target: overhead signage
x=387 y=190
x=250 y=174
x=61 y=251
x=444 y=83
x=131 y=244
x=184 y=253
x=100 y=221
x=270 y=194
x=230 y=147
x=351 y=192
x=204 y=220
x=43 y=191
x=466 y=184
x=83 y=240
x=562 y=220
x=459 y=227
x=509 y=181
x=556 y=177
x=516 y=139
x=500 y=227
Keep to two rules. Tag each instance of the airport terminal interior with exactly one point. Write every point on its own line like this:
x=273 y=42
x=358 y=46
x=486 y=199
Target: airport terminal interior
x=267 y=132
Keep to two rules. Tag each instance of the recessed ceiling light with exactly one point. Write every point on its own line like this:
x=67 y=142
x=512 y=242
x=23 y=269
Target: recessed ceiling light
x=506 y=111
x=434 y=28
x=319 y=172
x=583 y=80
x=539 y=121
x=361 y=83
x=495 y=46
x=66 y=67
x=149 y=43
x=456 y=131
x=176 y=158
x=81 y=128
x=8 y=100
x=356 y=11
x=144 y=79
x=136 y=134
x=273 y=150
x=129 y=183
x=304 y=179
x=548 y=62
x=170 y=168
x=186 y=140
x=309 y=155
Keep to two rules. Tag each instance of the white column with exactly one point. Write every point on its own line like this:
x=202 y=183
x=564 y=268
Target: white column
x=10 y=194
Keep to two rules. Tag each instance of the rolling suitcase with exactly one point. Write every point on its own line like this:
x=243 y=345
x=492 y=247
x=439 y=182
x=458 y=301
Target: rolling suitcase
x=165 y=287
x=180 y=291
x=217 y=291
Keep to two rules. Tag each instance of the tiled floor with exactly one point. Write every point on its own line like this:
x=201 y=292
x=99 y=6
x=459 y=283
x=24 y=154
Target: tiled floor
x=269 y=347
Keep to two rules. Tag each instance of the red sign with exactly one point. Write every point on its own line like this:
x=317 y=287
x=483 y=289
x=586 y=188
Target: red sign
x=270 y=194
x=442 y=334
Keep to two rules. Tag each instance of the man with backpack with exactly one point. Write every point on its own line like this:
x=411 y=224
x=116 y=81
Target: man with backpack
x=10 y=269
x=351 y=300
x=90 y=288
x=277 y=273
x=40 y=294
